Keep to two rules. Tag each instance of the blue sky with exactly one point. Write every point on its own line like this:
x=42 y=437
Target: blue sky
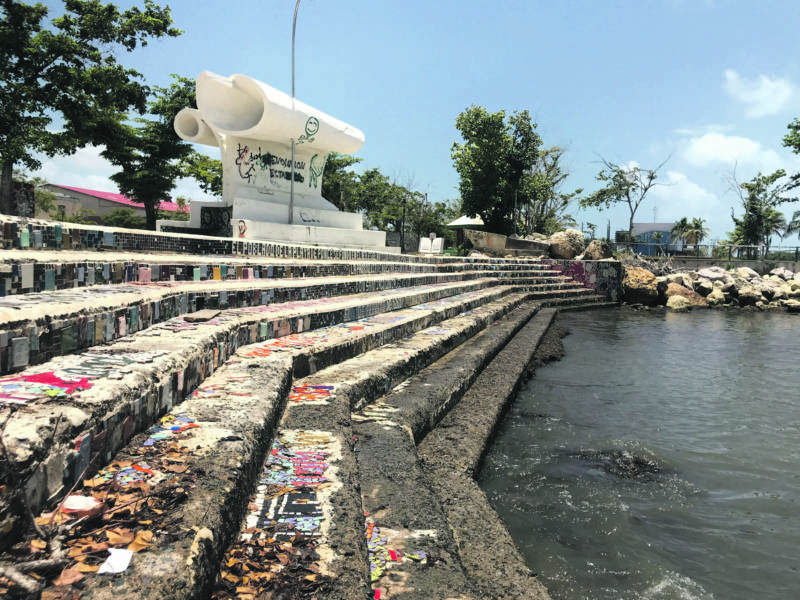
x=709 y=83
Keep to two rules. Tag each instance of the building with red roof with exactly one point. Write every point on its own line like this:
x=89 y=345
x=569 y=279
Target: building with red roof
x=70 y=200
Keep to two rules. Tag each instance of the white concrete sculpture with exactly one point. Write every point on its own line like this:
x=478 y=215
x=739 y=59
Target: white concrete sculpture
x=254 y=125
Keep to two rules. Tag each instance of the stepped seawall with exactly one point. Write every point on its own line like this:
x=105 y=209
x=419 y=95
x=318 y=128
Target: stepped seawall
x=237 y=418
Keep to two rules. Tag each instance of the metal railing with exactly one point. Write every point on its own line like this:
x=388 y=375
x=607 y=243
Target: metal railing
x=715 y=250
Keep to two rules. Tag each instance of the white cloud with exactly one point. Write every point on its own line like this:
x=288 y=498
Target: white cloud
x=679 y=196
x=762 y=96
x=717 y=148
x=86 y=169
x=702 y=130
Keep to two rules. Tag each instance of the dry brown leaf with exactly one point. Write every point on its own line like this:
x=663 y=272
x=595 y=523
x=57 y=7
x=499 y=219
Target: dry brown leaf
x=120 y=536
x=84 y=568
x=91 y=483
x=68 y=577
x=246 y=590
x=175 y=468
x=142 y=541
x=38 y=545
x=49 y=518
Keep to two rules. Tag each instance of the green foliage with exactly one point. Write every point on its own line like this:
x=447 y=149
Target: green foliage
x=82 y=215
x=44 y=201
x=124 y=217
x=205 y=170
x=628 y=184
x=496 y=153
x=543 y=204
x=792 y=139
x=340 y=181
x=761 y=219
x=386 y=205
x=692 y=232
x=67 y=70
x=150 y=154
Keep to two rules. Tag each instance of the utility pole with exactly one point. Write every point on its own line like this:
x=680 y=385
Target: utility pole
x=291 y=183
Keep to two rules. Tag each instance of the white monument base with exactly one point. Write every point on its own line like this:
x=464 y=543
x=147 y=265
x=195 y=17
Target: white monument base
x=307 y=235
x=312 y=227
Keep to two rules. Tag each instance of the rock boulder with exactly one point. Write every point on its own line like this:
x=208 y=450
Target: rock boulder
x=597 y=250
x=566 y=244
x=693 y=298
x=640 y=286
x=679 y=303
x=750 y=295
x=715 y=274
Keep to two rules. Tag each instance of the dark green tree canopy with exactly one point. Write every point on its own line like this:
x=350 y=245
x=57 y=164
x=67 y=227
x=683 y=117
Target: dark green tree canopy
x=760 y=198
x=340 y=181
x=492 y=160
x=65 y=72
x=149 y=153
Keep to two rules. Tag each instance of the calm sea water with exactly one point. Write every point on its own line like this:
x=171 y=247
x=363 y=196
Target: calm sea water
x=660 y=459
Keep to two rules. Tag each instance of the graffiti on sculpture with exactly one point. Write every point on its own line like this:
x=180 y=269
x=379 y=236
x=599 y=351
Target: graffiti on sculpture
x=317 y=167
x=312 y=127
x=251 y=164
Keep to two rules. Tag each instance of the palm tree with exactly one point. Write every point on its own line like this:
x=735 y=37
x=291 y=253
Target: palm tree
x=697 y=231
x=678 y=231
x=793 y=226
x=692 y=232
x=774 y=224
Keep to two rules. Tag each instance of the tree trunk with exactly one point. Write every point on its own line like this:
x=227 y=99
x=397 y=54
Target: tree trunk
x=151 y=213
x=7 y=188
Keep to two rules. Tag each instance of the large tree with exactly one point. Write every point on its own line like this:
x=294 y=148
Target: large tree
x=760 y=198
x=628 y=184
x=544 y=202
x=61 y=86
x=340 y=181
x=496 y=152
x=148 y=152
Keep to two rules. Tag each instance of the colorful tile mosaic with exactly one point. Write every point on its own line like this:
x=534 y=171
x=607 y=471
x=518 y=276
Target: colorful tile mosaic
x=282 y=344
x=311 y=393
x=381 y=557
x=286 y=499
x=27 y=388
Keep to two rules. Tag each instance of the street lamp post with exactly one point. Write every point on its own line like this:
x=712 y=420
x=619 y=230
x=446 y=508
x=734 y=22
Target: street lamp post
x=403 y=227
x=291 y=183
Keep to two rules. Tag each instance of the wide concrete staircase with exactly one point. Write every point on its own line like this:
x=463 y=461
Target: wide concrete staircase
x=276 y=422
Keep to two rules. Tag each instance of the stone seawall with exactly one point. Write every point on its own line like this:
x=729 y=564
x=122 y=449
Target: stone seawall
x=308 y=407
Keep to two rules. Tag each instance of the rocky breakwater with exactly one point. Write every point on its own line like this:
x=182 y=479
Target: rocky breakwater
x=713 y=287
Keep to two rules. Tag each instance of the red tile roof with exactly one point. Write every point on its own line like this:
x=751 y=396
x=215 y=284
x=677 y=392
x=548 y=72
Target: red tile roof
x=119 y=198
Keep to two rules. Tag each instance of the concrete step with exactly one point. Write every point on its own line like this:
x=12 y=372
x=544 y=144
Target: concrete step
x=37 y=327
x=32 y=271
x=248 y=395
x=99 y=395
x=396 y=493
x=451 y=455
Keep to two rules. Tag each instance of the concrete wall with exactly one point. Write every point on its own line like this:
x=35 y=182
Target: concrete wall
x=762 y=267
x=603 y=276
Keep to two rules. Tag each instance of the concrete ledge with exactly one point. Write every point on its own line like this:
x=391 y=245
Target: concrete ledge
x=451 y=454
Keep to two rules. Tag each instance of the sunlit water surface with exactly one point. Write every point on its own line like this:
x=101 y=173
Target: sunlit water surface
x=660 y=459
